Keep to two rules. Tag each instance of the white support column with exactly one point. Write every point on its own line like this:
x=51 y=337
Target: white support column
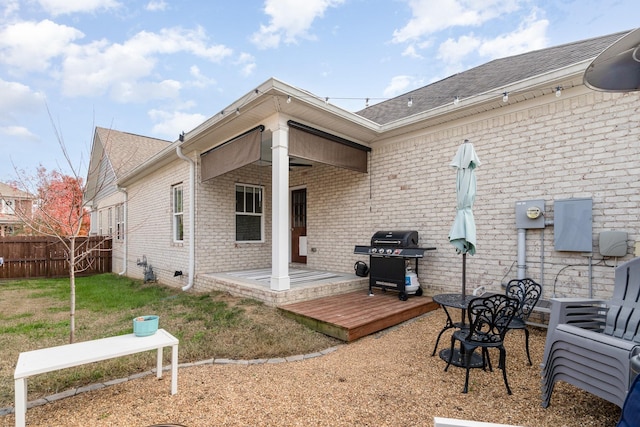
x=280 y=280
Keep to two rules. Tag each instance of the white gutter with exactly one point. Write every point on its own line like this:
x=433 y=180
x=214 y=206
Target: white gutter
x=192 y=217
x=124 y=231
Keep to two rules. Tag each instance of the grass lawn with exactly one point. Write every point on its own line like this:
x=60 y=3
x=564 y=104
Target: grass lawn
x=35 y=314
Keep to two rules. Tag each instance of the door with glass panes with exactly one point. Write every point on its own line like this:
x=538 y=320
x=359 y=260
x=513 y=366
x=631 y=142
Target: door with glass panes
x=299 y=226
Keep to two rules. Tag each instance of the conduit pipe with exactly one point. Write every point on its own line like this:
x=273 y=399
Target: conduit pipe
x=124 y=231
x=192 y=217
x=522 y=253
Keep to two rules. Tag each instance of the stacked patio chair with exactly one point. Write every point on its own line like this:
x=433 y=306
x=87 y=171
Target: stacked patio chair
x=527 y=292
x=590 y=343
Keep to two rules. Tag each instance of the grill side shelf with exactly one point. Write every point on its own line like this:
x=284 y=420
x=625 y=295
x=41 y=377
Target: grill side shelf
x=395 y=251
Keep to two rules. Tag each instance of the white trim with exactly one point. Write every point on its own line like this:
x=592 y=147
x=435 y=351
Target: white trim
x=451 y=422
x=261 y=214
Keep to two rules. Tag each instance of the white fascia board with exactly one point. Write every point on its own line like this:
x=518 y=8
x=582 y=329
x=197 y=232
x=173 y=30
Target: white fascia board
x=545 y=80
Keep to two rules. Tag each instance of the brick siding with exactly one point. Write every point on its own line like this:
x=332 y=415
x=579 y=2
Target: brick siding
x=584 y=144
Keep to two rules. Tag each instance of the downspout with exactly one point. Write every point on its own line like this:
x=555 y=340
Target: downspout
x=124 y=231
x=192 y=217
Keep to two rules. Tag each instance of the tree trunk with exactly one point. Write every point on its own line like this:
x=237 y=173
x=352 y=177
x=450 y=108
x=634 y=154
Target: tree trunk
x=72 y=282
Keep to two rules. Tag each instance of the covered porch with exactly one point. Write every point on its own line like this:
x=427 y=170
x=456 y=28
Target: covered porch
x=305 y=284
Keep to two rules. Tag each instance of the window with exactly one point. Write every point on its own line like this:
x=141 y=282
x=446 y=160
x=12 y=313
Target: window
x=100 y=223
x=110 y=220
x=178 y=213
x=249 y=218
x=8 y=207
x=120 y=222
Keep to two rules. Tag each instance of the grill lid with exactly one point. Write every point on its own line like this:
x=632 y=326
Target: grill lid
x=398 y=239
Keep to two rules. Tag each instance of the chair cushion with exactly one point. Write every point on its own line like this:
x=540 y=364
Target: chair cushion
x=630 y=416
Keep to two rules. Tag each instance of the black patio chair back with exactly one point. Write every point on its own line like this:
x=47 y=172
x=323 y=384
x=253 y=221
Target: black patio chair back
x=528 y=293
x=489 y=318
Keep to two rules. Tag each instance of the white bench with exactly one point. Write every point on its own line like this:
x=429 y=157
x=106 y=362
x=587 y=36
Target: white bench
x=66 y=356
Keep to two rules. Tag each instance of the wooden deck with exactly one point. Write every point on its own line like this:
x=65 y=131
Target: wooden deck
x=354 y=315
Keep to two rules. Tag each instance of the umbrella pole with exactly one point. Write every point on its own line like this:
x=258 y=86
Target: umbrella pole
x=464 y=283
x=464 y=274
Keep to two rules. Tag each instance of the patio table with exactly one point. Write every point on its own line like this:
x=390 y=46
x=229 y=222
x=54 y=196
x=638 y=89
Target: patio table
x=461 y=302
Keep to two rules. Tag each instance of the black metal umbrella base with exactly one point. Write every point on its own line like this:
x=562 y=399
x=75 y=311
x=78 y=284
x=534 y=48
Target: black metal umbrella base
x=458 y=358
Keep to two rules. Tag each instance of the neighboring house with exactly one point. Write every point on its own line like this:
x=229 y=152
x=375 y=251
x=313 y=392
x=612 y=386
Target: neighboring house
x=12 y=200
x=113 y=155
x=281 y=176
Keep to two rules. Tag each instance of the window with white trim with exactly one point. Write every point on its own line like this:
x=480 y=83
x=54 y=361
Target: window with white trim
x=100 y=222
x=249 y=216
x=177 y=213
x=110 y=220
x=8 y=206
x=120 y=222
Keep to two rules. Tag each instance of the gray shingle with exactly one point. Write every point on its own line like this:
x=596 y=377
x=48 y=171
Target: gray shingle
x=493 y=75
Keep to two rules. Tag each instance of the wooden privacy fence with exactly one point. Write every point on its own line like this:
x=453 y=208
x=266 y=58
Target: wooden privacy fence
x=36 y=256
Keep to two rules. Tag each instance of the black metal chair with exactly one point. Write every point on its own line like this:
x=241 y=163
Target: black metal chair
x=489 y=318
x=528 y=293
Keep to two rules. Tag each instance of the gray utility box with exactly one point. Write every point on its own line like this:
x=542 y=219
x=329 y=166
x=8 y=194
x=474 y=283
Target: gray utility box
x=613 y=243
x=530 y=214
x=572 y=221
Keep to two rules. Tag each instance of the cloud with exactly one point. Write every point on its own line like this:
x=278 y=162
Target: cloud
x=401 y=84
x=289 y=21
x=18 y=97
x=30 y=46
x=199 y=79
x=530 y=35
x=157 y=6
x=170 y=123
x=454 y=51
x=18 y=132
x=431 y=16
x=9 y=8
x=247 y=64
x=140 y=92
x=411 y=52
x=65 y=7
x=93 y=68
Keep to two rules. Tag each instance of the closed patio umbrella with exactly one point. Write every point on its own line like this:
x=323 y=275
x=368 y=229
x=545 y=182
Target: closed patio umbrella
x=463 y=231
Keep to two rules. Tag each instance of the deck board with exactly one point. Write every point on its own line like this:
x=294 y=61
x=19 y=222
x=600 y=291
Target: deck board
x=356 y=314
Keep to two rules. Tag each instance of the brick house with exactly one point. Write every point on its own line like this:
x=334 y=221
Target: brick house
x=12 y=200
x=113 y=155
x=280 y=177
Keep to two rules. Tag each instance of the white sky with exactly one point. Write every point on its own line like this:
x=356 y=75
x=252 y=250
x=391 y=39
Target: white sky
x=160 y=67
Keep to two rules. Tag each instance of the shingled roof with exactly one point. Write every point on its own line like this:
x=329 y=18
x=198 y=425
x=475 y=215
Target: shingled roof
x=7 y=191
x=126 y=151
x=493 y=75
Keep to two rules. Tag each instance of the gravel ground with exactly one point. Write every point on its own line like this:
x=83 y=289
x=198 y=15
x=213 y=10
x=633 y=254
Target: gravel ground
x=386 y=379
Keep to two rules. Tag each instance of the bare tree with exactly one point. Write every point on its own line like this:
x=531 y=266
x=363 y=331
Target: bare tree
x=61 y=211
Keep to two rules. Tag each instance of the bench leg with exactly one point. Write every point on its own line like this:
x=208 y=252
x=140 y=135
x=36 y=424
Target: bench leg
x=21 y=402
x=159 y=363
x=174 y=369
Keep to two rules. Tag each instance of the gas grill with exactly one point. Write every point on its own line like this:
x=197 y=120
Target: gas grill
x=390 y=253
